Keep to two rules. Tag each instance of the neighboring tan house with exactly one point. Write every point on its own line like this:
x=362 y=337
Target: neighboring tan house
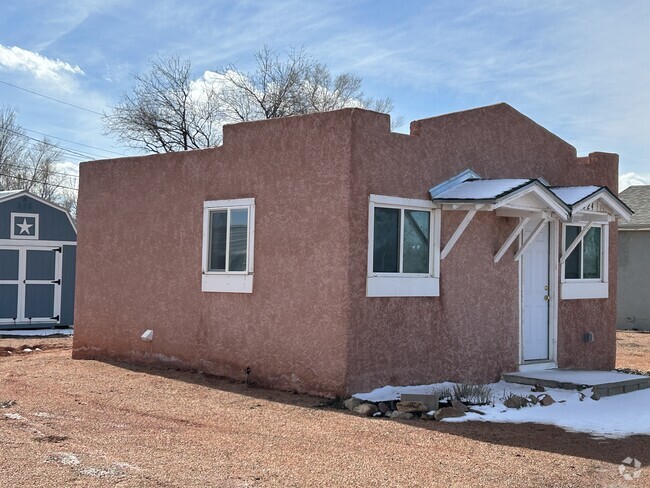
x=37 y=262
x=634 y=262
x=330 y=255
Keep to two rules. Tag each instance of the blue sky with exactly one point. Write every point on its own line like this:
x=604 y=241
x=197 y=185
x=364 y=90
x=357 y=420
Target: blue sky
x=580 y=68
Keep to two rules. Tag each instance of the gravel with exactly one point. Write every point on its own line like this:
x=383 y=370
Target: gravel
x=111 y=424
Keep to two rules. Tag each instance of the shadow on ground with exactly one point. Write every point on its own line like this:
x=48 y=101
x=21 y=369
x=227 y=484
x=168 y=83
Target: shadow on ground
x=526 y=436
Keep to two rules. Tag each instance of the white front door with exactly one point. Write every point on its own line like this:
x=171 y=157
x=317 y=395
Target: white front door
x=535 y=296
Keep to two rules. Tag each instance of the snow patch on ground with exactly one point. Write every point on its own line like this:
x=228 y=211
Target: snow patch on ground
x=612 y=417
x=14 y=416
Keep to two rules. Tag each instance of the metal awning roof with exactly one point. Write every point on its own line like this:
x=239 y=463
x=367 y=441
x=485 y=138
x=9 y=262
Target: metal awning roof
x=530 y=199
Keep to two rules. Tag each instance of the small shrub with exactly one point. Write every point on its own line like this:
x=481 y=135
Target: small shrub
x=515 y=401
x=473 y=394
x=443 y=393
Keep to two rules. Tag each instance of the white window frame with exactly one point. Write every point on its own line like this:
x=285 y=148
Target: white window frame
x=405 y=284
x=581 y=288
x=228 y=281
x=18 y=215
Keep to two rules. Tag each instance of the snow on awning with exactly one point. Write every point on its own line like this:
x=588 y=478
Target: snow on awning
x=482 y=190
x=529 y=199
x=592 y=201
x=511 y=197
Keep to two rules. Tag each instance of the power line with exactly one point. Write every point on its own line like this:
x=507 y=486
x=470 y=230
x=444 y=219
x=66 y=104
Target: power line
x=39 y=182
x=22 y=166
x=72 y=142
x=62 y=148
x=51 y=98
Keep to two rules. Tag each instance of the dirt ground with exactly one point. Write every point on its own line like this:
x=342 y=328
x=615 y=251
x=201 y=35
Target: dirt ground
x=88 y=423
x=633 y=350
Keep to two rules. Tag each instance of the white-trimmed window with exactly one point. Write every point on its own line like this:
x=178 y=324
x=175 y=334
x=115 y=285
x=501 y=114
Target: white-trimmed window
x=228 y=229
x=584 y=270
x=403 y=247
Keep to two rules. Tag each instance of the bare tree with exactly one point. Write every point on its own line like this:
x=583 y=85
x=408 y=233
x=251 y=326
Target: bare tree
x=295 y=84
x=165 y=112
x=31 y=165
x=169 y=111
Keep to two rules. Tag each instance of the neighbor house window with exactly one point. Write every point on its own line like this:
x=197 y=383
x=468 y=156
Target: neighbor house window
x=403 y=254
x=584 y=272
x=228 y=245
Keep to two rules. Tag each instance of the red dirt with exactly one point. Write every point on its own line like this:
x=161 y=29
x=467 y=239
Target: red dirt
x=88 y=423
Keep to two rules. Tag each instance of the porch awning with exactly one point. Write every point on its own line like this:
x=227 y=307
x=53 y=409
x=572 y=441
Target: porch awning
x=593 y=203
x=530 y=199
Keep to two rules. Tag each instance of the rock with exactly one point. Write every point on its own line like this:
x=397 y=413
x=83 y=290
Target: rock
x=595 y=395
x=538 y=388
x=397 y=415
x=366 y=409
x=532 y=399
x=447 y=412
x=427 y=416
x=459 y=405
x=515 y=401
x=412 y=407
x=352 y=403
x=27 y=349
x=384 y=408
x=430 y=400
x=545 y=400
x=473 y=410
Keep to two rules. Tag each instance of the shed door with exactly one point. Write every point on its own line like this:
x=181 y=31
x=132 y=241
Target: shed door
x=42 y=294
x=9 y=284
x=535 y=297
x=30 y=285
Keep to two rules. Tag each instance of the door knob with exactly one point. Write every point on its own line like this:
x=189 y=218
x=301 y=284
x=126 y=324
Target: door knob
x=546 y=298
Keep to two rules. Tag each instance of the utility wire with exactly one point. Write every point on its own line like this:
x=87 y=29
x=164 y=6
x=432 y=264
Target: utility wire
x=52 y=98
x=21 y=166
x=77 y=143
x=62 y=148
x=39 y=182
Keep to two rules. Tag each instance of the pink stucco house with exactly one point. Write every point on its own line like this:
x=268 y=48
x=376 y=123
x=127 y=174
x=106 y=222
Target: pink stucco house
x=330 y=255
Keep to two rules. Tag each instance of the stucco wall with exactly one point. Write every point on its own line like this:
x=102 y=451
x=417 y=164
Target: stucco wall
x=470 y=332
x=633 y=279
x=139 y=256
x=308 y=324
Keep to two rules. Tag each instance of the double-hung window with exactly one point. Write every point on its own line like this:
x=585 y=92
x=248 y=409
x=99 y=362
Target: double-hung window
x=584 y=271
x=403 y=247
x=228 y=229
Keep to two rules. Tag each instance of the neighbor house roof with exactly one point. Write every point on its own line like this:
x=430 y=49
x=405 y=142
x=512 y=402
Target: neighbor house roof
x=638 y=199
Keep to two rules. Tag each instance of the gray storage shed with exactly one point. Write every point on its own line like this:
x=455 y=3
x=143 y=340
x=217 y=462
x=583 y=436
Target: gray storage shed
x=38 y=247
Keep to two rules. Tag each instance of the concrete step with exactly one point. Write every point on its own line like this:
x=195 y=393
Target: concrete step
x=605 y=383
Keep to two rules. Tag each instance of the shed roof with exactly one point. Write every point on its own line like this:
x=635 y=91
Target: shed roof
x=7 y=193
x=638 y=199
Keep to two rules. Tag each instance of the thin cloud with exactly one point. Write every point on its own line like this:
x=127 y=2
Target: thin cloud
x=17 y=59
x=631 y=179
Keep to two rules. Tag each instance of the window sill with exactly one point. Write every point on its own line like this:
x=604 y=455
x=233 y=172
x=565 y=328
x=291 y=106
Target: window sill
x=584 y=290
x=227 y=283
x=402 y=286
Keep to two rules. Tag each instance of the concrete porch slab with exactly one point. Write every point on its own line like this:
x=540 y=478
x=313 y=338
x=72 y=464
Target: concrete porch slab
x=605 y=383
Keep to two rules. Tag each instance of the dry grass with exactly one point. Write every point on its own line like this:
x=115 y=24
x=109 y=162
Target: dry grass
x=87 y=423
